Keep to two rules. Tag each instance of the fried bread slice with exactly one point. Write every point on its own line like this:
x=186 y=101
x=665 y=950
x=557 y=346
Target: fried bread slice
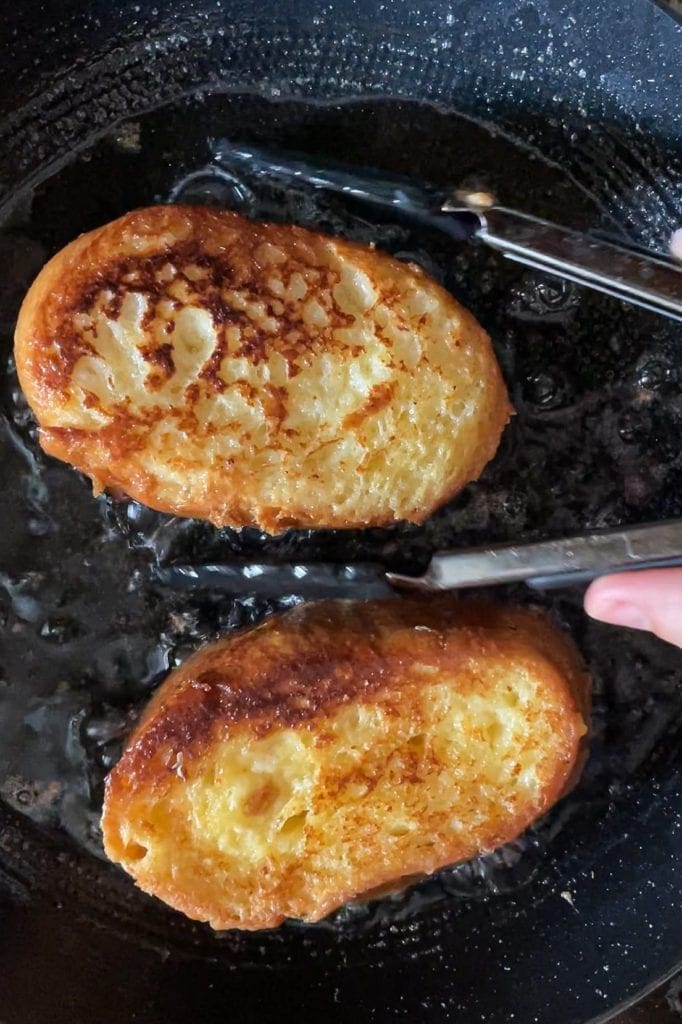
x=340 y=748
x=256 y=374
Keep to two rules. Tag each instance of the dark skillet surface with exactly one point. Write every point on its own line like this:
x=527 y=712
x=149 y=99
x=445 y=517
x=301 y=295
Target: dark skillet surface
x=584 y=911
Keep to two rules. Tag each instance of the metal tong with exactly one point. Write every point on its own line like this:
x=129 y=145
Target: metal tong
x=627 y=272
x=543 y=565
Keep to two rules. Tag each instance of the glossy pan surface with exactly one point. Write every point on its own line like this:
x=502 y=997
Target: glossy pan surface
x=569 y=113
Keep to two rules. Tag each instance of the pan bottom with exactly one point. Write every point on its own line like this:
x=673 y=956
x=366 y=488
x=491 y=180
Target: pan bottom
x=87 y=636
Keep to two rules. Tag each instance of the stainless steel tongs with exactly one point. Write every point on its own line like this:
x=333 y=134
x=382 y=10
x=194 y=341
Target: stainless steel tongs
x=543 y=565
x=627 y=272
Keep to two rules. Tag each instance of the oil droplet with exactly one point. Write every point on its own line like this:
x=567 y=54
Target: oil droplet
x=543 y=390
x=60 y=630
x=654 y=374
x=213 y=186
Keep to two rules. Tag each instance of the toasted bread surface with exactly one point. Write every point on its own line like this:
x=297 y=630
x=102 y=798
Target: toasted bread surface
x=342 y=747
x=256 y=374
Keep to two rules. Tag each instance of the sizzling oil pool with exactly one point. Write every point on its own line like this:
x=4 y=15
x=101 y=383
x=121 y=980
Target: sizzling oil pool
x=86 y=636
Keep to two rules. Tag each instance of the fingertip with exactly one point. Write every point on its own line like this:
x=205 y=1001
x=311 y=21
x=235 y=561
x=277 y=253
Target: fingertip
x=650 y=600
x=600 y=596
x=676 y=244
x=606 y=603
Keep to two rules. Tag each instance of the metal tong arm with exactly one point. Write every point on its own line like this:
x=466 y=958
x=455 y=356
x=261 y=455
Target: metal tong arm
x=555 y=562
x=632 y=274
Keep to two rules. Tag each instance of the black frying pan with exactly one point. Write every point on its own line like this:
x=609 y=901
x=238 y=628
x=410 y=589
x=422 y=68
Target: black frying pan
x=568 y=110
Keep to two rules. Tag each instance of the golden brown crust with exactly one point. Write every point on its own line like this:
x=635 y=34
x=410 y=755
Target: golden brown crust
x=256 y=374
x=296 y=679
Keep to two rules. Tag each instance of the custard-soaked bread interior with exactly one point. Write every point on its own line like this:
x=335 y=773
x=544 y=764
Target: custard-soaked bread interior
x=256 y=374
x=342 y=747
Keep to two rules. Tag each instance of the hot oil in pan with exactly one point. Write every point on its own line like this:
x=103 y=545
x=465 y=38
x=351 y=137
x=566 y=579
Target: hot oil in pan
x=86 y=638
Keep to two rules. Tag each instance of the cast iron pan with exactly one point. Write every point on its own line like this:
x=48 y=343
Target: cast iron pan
x=570 y=111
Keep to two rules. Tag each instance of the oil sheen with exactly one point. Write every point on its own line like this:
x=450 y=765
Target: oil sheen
x=85 y=634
